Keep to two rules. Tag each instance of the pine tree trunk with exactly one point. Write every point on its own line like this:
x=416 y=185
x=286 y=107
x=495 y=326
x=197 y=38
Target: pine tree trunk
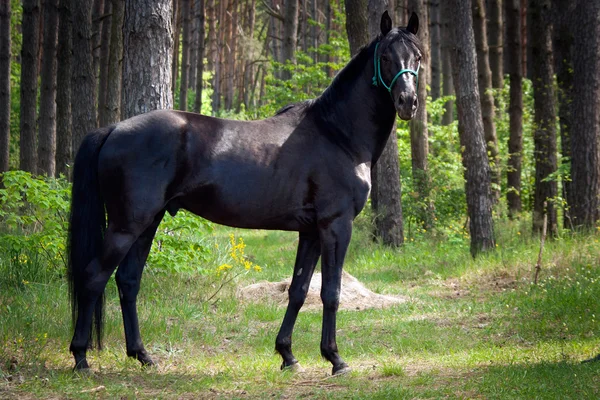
x=436 y=49
x=356 y=24
x=29 y=78
x=290 y=34
x=103 y=111
x=97 y=18
x=496 y=42
x=147 y=42
x=484 y=78
x=585 y=129
x=447 y=80
x=544 y=135
x=47 y=125
x=386 y=191
x=64 y=137
x=5 y=58
x=83 y=89
x=176 y=23
x=563 y=65
x=200 y=56
x=515 y=108
x=115 y=63
x=193 y=45
x=470 y=128
x=185 y=53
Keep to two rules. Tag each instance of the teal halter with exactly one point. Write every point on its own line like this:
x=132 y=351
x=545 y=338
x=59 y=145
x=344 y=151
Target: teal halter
x=377 y=73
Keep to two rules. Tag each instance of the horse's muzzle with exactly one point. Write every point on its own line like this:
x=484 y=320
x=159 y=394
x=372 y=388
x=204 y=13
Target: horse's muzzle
x=406 y=106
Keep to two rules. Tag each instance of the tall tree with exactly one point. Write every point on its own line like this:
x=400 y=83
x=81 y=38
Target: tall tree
x=436 y=49
x=386 y=192
x=64 y=139
x=290 y=34
x=447 y=81
x=470 y=128
x=484 y=79
x=84 y=78
x=147 y=52
x=419 y=135
x=29 y=78
x=186 y=12
x=199 y=15
x=47 y=125
x=544 y=135
x=356 y=24
x=515 y=108
x=97 y=19
x=5 y=58
x=176 y=23
x=496 y=42
x=585 y=128
x=115 y=64
x=103 y=111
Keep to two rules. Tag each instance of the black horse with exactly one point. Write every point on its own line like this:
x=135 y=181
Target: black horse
x=306 y=169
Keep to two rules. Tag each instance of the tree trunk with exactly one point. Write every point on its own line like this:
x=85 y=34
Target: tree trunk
x=515 y=108
x=585 y=130
x=115 y=63
x=64 y=137
x=290 y=35
x=103 y=111
x=447 y=80
x=356 y=24
x=83 y=89
x=496 y=42
x=97 y=18
x=47 y=125
x=5 y=58
x=563 y=64
x=386 y=192
x=29 y=78
x=419 y=135
x=200 y=56
x=176 y=23
x=436 y=49
x=484 y=78
x=213 y=63
x=185 y=53
x=544 y=135
x=147 y=52
x=193 y=45
x=470 y=129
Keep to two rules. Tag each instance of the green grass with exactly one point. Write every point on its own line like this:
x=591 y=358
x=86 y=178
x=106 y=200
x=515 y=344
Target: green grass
x=471 y=328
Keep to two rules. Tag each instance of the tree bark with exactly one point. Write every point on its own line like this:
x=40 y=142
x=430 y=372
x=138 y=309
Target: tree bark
x=103 y=111
x=64 y=137
x=5 y=58
x=515 y=108
x=97 y=19
x=435 y=58
x=47 y=125
x=176 y=23
x=185 y=53
x=147 y=52
x=470 y=128
x=386 y=191
x=200 y=55
x=84 y=78
x=585 y=130
x=447 y=80
x=115 y=64
x=29 y=78
x=544 y=135
x=484 y=78
x=356 y=24
x=290 y=35
x=496 y=42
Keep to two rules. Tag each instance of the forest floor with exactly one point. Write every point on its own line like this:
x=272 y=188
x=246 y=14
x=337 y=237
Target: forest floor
x=465 y=329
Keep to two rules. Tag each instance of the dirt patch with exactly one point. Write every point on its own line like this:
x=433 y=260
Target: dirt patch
x=354 y=295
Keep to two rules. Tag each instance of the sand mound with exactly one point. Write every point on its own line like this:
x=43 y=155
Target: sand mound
x=354 y=295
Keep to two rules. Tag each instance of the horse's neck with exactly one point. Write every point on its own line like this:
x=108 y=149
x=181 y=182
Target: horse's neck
x=357 y=113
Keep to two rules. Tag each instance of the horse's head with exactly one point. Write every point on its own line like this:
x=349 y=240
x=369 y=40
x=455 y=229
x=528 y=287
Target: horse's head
x=397 y=61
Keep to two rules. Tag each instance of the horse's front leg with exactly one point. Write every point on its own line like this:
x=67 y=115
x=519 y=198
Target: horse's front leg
x=335 y=238
x=307 y=256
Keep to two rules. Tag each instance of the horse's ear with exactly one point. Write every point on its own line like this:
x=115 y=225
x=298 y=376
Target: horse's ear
x=413 y=24
x=386 y=23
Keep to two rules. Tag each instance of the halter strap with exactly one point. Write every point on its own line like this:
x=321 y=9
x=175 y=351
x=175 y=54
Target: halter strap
x=377 y=72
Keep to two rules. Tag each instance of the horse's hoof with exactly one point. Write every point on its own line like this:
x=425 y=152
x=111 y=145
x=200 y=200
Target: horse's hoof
x=295 y=367
x=340 y=369
x=81 y=366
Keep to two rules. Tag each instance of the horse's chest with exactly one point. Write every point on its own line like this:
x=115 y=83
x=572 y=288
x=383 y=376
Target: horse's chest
x=362 y=186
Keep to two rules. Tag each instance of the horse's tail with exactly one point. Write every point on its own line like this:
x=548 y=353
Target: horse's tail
x=87 y=223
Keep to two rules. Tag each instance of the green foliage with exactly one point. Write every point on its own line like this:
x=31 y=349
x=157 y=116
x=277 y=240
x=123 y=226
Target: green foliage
x=34 y=215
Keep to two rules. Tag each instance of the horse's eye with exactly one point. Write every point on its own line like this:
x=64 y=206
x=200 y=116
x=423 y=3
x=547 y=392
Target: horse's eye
x=384 y=58
x=418 y=58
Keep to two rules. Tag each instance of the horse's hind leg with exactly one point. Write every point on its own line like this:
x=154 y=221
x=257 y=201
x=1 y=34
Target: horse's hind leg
x=116 y=244
x=306 y=259
x=128 y=277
